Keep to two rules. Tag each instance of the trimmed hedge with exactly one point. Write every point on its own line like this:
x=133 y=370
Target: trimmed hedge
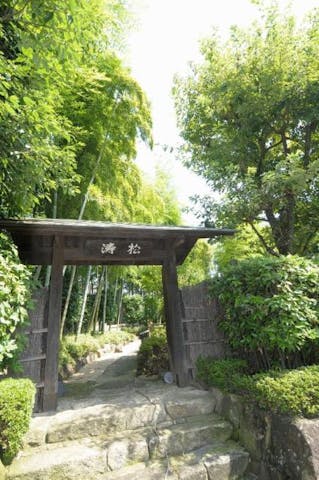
x=152 y=357
x=292 y=392
x=16 y=405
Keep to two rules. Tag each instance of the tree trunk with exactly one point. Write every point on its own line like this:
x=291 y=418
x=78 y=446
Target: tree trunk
x=106 y=285
x=282 y=226
x=86 y=291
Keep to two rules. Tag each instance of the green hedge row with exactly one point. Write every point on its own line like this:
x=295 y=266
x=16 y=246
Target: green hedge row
x=16 y=405
x=293 y=392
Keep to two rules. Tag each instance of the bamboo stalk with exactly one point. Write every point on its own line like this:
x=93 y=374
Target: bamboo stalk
x=86 y=291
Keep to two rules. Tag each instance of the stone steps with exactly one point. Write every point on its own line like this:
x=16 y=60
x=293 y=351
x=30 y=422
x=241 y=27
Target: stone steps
x=225 y=461
x=156 y=432
x=84 y=461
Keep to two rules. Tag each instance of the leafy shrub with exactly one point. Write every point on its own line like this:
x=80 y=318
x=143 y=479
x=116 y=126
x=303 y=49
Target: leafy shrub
x=118 y=337
x=134 y=330
x=133 y=309
x=73 y=350
x=152 y=358
x=271 y=308
x=14 y=300
x=221 y=373
x=16 y=404
x=289 y=391
x=293 y=392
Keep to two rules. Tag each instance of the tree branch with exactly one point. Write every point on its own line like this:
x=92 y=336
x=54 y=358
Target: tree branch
x=284 y=143
x=309 y=129
x=11 y=13
x=273 y=145
x=268 y=249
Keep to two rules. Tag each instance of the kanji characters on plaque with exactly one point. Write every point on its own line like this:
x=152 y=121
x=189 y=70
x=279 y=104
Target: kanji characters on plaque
x=110 y=247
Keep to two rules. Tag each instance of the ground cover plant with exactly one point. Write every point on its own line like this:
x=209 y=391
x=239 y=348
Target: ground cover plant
x=292 y=392
x=74 y=350
x=16 y=404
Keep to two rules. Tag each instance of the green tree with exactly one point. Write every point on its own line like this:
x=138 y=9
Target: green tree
x=65 y=98
x=249 y=117
x=244 y=244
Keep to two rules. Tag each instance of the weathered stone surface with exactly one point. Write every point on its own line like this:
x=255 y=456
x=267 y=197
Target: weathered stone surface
x=254 y=431
x=192 y=472
x=75 y=462
x=120 y=452
x=227 y=467
x=37 y=432
x=2 y=471
x=310 y=430
x=193 y=434
x=232 y=409
x=280 y=447
x=101 y=420
x=189 y=402
x=295 y=449
x=218 y=396
x=155 y=471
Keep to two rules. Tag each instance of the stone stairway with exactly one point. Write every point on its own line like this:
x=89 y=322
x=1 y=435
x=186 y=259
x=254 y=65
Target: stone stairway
x=150 y=432
x=142 y=430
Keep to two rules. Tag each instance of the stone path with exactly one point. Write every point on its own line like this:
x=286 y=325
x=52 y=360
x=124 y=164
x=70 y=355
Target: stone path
x=111 y=425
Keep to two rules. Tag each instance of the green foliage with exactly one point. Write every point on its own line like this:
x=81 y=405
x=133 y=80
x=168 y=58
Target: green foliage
x=271 y=307
x=249 y=118
x=220 y=373
x=292 y=392
x=116 y=337
x=242 y=245
x=152 y=357
x=15 y=290
x=66 y=99
x=16 y=404
x=133 y=309
x=134 y=330
x=74 y=350
x=197 y=266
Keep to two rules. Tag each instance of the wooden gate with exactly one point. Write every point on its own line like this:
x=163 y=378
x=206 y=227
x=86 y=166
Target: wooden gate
x=33 y=358
x=200 y=317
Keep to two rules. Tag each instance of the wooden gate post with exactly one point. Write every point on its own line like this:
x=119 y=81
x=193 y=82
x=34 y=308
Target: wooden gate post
x=173 y=312
x=50 y=392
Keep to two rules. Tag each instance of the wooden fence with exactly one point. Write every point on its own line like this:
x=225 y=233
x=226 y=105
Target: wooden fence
x=200 y=317
x=33 y=357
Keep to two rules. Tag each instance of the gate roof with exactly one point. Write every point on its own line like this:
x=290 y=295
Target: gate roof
x=99 y=243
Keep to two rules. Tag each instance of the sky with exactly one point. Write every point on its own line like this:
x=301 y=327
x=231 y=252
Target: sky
x=165 y=40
